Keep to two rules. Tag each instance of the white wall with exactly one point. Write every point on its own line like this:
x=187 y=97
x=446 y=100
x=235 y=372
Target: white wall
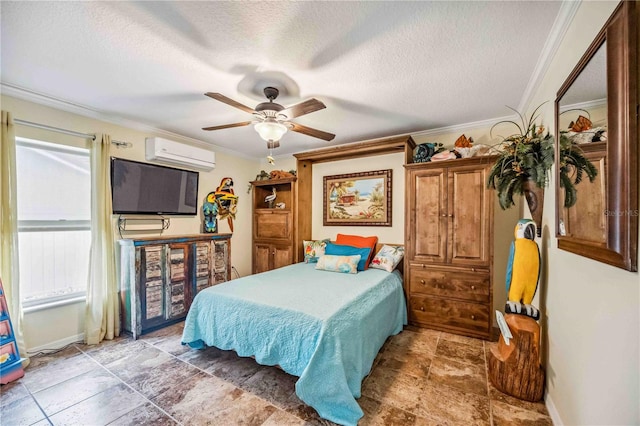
x=591 y=311
x=56 y=326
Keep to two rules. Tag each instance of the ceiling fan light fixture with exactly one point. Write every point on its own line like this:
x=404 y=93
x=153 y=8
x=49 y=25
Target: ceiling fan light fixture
x=270 y=130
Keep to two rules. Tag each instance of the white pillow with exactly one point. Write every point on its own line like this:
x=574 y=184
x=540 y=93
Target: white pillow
x=388 y=258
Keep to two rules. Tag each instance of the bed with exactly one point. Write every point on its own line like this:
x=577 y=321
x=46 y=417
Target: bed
x=324 y=327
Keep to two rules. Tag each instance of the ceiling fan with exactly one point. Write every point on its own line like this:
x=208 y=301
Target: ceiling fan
x=272 y=119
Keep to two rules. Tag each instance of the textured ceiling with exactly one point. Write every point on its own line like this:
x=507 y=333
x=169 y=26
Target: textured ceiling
x=382 y=68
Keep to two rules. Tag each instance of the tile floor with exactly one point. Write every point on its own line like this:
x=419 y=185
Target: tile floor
x=420 y=377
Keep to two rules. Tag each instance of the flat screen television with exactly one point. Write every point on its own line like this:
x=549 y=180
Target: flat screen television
x=143 y=188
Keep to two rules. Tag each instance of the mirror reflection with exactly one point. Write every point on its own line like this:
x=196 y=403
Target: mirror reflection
x=582 y=120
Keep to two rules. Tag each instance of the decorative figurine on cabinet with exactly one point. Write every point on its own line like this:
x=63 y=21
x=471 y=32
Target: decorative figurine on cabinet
x=269 y=199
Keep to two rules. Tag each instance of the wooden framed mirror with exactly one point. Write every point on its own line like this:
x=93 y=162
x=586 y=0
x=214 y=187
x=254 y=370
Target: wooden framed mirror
x=604 y=89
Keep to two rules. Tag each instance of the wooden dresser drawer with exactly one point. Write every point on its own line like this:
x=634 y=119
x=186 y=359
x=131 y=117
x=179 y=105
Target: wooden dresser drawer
x=463 y=317
x=465 y=285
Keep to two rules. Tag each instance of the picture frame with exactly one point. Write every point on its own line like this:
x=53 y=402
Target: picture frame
x=357 y=199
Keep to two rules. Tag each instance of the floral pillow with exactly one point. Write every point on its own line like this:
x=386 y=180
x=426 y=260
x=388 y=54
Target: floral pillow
x=313 y=250
x=388 y=258
x=344 y=264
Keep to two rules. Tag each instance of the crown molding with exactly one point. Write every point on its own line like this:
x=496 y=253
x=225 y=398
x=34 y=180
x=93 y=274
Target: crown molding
x=559 y=28
x=85 y=111
x=596 y=103
x=463 y=127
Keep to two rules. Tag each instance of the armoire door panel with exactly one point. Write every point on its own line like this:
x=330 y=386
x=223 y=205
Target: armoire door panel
x=429 y=242
x=467 y=213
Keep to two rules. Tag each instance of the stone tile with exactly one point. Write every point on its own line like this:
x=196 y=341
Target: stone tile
x=147 y=414
x=271 y=384
x=496 y=395
x=64 y=395
x=169 y=339
x=379 y=414
x=461 y=352
x=138 y=362
x=106 y=353
x=57 y=370
x=447 y=405
x=23 y=411
x=163 y=333
x=509 y=415
x=423 y=330
x=209 y=400
x=406 y=361
x=172 y=344
x=281 y=418
x=233 y=368
x=478 y=343
x=303 y=411
x=422 y=342
x=12 y=392
x=45 y=359
x=165 y=376
x=395 y=388
x=462 y=376
x=100 y=409
x=203 y=358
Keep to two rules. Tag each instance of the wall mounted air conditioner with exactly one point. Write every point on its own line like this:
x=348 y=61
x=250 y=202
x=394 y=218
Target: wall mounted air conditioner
x=179 y=154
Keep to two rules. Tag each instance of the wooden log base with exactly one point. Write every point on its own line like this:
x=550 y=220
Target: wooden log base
x=515 y=369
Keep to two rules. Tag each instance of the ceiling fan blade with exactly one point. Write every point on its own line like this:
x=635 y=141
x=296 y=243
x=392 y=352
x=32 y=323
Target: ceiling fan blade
x=226 y=126
x=222 y=98
x=302 y=108
x=312 y=132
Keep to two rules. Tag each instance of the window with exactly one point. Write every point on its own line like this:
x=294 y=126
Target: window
x=54 y=221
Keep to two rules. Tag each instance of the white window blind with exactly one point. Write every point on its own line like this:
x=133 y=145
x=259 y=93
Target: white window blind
x=54 y=221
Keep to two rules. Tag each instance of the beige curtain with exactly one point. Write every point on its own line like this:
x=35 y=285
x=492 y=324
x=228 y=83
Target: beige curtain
x=102 y=319
x=9 y=266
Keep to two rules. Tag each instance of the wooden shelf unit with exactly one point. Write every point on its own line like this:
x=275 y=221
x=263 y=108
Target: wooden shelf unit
x=275 y=238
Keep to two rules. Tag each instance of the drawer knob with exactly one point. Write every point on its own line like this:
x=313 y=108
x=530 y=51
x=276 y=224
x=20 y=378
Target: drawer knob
x=422 y=308
x=422 y=265
x=473 y=287
x=422 y=282
x=473 y=317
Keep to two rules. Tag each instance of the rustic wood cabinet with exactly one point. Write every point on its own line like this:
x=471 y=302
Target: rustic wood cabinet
x=159 y=277
x=274 y=236
x=449 y=245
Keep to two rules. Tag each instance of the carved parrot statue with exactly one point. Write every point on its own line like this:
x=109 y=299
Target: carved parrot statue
x=226 y=201
x=523 y=271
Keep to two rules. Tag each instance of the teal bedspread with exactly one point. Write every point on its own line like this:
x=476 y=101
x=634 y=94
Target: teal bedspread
x=324 y=327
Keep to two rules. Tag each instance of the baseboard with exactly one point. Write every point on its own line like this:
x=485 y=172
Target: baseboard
x=58 y=344
x=553 y=411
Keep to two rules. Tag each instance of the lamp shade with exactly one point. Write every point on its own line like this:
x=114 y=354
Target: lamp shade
x=270 y=130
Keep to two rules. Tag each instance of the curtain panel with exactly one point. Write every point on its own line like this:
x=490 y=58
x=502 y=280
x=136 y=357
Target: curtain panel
x=9 y=264
x=102 y=317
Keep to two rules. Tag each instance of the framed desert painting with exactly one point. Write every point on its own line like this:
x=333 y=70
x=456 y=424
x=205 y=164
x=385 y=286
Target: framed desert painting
x=358 y=199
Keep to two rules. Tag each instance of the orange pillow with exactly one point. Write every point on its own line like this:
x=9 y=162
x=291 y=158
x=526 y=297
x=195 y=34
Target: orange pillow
x=360 y=242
